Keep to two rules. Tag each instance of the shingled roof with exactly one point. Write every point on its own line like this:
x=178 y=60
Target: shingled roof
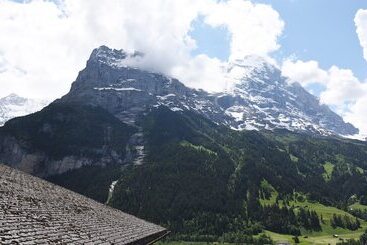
x=34 y=211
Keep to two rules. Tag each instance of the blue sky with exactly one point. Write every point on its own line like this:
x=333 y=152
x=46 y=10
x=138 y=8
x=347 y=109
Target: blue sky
x=321 y=30
x=211 y=41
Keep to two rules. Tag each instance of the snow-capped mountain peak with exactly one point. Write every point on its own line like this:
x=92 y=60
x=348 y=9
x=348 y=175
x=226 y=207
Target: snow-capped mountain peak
x=261 y=98
x=114 y=57
x=15 y=106
x=248 y=67
x=13 y=99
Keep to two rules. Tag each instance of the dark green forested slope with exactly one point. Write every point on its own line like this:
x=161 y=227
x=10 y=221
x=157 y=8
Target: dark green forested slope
x=316 y=156
x=202 y=179
x=61 y=130
x=68 y=131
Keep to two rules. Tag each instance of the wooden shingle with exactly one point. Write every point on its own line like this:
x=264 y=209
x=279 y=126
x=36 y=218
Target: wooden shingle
x=34 y=211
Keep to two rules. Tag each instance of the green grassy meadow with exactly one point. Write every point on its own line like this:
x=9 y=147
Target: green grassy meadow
x=326 y=212
x=326 y=236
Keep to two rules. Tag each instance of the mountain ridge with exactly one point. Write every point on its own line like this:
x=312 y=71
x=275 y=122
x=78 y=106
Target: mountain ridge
x=123 y=95
x=259 y=98
x=264 y=98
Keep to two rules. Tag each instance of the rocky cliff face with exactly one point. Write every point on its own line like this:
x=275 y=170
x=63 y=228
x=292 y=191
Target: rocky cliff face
x=129 y=92
x=64 y=137
x=40 y=163
x=260 y=97
x=97 y=122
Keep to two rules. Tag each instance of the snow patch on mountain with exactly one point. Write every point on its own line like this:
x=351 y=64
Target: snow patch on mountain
x=118 y=89
x=262 y=98
x=259 y=98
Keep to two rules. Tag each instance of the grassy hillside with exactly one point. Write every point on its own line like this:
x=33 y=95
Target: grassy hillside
x=326 y=235
x=313 y=239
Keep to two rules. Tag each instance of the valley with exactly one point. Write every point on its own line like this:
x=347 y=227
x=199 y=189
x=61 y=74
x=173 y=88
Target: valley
x=252 y=165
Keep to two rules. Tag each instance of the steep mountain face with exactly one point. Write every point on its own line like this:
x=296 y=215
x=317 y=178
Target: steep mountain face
x=202 y=179
x=128 y=92
x=63 y=137
x=260 y=97
x=15 y=106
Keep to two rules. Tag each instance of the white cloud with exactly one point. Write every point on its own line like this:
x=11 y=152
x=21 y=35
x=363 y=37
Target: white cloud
x=305 y=73
x=356 y=111
x=342 y=89
x=255 y=28
x=210 y=71
x=51 y=44
x=357 y=114
x=360 y=21
x=43 y=45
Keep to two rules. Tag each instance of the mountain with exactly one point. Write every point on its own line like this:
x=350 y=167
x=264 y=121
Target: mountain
x=62 y=137
x=260 y=97
x=15 y=106
x=162 y=151
x=207 y=182
x=128 y=92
